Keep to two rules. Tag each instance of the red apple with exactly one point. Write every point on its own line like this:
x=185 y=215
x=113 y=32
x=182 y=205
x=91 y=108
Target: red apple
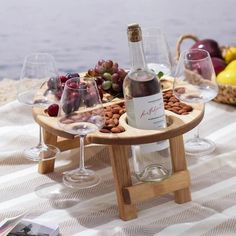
x=218 y=64
x=209 y=45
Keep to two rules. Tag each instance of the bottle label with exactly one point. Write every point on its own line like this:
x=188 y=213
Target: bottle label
x=150 y=114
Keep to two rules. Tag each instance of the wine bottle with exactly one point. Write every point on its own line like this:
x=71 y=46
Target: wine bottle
x=145 y=110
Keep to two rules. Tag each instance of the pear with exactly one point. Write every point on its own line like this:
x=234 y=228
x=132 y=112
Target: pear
x=228 y=75
x=229 y=54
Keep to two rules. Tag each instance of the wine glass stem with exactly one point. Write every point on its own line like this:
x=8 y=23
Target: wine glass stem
x=81 y=163
x=41 y=141
x=197 y=135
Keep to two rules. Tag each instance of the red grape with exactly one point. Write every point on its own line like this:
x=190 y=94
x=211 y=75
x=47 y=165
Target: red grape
x=99 y=80
x=100 y=62
x=91 y=72
x=116 y=87
x=53 y=110
x=115 y=78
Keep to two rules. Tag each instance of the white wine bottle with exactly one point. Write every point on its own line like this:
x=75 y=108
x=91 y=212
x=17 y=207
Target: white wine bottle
x=145 y=110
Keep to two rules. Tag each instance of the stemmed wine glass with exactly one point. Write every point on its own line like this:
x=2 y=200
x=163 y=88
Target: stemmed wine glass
x=37 y=69
x=195 y=82
x=157 y=52
x=81 y=112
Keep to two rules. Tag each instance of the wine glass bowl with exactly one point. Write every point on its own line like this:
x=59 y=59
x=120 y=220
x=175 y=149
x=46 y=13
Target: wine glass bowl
x=81 y=112
x=158 y=56
x=195 y=82
x=33 y=90
x=37 y=70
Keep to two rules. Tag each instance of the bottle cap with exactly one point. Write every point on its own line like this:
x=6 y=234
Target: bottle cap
x=134 y=32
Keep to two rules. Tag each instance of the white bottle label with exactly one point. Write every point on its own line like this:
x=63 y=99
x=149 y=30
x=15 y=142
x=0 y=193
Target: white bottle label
x=150 y=114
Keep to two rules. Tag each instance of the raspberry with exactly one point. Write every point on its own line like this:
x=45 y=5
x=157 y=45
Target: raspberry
x=53 y=110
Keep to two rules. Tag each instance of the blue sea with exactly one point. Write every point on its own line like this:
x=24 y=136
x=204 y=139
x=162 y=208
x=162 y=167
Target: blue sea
x=80 y=32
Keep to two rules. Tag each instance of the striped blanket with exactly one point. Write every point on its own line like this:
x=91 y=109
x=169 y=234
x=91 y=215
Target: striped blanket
x=94 y=211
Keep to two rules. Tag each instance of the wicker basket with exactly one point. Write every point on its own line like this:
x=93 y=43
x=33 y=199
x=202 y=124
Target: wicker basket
x=227 y=93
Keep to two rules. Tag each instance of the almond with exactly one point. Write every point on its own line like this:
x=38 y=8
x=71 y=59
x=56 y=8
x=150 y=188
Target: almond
x=103 y=130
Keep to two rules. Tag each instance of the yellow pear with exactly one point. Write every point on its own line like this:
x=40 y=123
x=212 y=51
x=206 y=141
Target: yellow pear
x=227 y=77
x=231 y=65
x=229 y=54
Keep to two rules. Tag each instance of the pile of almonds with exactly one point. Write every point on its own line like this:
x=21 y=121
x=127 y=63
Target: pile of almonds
x=112 y=115
x=171 y=103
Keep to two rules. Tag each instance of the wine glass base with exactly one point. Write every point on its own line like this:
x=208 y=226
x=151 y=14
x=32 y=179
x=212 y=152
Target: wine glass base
x=199 y=147
x=154 y=173
x=41 y=153
x=81 y=179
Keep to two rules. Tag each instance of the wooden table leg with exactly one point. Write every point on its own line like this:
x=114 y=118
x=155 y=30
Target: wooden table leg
x=45 y=167
x=122 y=177
x=179 y=164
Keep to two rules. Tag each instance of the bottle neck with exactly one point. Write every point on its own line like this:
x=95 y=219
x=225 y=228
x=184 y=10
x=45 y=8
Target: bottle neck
x=137 y=56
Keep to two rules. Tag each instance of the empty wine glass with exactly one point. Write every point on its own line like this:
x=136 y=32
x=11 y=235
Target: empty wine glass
x=81 y=112
x=36 y=71
x=195 y=82
x=157 y=51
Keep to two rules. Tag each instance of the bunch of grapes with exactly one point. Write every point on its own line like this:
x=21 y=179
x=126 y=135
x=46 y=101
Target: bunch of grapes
x=109 y=77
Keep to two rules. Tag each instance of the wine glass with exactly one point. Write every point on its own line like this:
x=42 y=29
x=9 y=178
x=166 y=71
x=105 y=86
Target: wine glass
x=80 y=113
x=195 y=82
x=157 y=51
x=37 y=69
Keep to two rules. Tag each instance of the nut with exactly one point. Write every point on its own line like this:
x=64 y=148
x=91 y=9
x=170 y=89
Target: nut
x=187 y=108
x=115 y=130
x=109 y=114
x=122 y=111
x=112 y=115
x=116 y=116
x=116 y=110
x=103 y=130
x=121 y=128
x=173 y=104
x=116 y=121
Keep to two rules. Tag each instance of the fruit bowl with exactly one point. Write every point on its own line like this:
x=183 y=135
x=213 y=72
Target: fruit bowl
x=227 y=93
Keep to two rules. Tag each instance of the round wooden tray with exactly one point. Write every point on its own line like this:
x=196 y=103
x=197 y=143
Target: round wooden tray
x=177 y=125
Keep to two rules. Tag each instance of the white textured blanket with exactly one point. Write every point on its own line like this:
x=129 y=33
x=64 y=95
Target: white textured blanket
x=94 y=211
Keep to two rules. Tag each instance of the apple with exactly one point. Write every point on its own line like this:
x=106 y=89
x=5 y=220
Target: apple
x=209 y=45
x=218 y=64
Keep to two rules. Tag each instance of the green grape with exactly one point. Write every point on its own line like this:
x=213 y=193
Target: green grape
x=106 y=85
x=107 y=76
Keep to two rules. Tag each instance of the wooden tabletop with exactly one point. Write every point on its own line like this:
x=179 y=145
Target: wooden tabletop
x=177 y=125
